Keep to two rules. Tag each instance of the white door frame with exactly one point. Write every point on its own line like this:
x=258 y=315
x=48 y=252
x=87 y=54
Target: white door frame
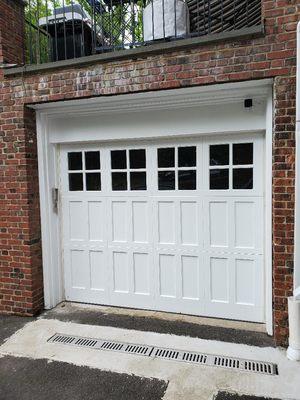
x=163 y=100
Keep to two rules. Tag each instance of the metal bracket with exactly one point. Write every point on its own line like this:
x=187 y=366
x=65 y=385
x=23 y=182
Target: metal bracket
x=55 y=199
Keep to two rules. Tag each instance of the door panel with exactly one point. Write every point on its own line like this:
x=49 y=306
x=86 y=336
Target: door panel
x=166 y=226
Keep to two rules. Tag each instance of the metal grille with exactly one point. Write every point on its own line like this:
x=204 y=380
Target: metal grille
x=238 y=364
x=65 y=29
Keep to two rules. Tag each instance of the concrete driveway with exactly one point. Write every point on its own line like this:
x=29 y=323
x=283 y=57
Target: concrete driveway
x=32 y=368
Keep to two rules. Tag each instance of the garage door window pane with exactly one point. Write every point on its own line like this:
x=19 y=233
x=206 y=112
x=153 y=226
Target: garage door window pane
x=243 y=178
x=187 y=156
x=166 y=157
x=166 y=180
x=119 y=180
x=187 y=180
x=93 y=181
x=75 y=161
x=138 y=181
x=137 y=159
x=219 y=154
x=75 y=182
x=118 y=159
x=92 y=160
x=243 y=153
x=219 y=179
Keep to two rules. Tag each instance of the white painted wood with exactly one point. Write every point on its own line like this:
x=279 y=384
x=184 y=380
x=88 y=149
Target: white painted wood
x=187 y=251
x=125 y=126
x=268 y=212
x=215 y=95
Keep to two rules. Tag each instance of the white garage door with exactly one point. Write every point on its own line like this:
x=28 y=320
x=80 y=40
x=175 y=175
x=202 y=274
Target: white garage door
x=166 y=225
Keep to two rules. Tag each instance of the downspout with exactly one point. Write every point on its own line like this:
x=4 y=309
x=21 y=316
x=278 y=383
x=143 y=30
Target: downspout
x=293 y=352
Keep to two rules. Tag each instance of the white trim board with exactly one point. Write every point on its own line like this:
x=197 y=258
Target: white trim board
x=216 y=97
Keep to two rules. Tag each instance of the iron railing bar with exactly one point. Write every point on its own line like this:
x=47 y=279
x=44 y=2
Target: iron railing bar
x=82 y=33
x=36 y=28
x=209 y=17
x=47 y=30
x=102 y=25
x=132 y=21
x=112 y=39
x=163 y=16
x=222 y=15
x=30 y=33
x=55 y=31
x=234 y=11
x=152 y=7
x=64 y=25
x=95 y=26
x=38 y=48
x=73 y=30
x=175 y=19
x=123 y=14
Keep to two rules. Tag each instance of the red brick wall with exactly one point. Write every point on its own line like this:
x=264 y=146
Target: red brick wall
x=269 y=56
x=12 y=31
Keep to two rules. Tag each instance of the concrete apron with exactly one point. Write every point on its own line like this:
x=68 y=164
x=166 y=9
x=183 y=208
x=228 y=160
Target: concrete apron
x=185 y=381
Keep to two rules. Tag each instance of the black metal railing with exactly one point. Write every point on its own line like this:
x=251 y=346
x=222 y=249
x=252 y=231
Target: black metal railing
x=65 y=29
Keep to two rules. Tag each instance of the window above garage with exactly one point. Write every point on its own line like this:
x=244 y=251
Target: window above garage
x=58 y=30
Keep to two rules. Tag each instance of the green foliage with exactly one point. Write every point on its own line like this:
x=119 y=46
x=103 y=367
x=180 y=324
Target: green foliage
x=120 y=25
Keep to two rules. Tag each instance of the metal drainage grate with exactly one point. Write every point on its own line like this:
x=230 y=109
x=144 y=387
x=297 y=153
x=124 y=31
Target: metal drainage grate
x=259 y=367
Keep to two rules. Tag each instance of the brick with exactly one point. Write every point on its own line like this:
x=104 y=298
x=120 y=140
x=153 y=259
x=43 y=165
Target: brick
x=270 y=56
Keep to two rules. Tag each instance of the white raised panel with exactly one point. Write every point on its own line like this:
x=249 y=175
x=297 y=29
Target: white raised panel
x=119 y=219
x=96 y=220
x=167 y=275
x=189 y=222
x=140 y=221
x=97 y=267
x=197 y=252
x=245 y=281
x=219 y=275
x=190 y=277
x=120 y=272
x=79 y=269
x=218 y=223
x=245 y=223
x=77 y=217
x=141 y=273
x=166 y=222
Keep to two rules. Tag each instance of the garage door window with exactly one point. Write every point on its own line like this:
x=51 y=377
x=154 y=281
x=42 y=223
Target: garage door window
x=177 y=168
x=128 y=169
x=84 y=171
x=237 y=157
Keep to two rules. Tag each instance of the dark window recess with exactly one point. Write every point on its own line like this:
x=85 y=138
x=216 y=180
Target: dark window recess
x=75 y=182
x=166 y=180
x=166 y=157
x=219 y=179
x=75 y=161
x=243 y=178
x=92 y=160
x=118 y=159
x=187 y=156
x=93 y=181
x=138 y=181
x=137 y=159
x=219 y=154
x=187 y=180
x=243 y=153
x=119 y=180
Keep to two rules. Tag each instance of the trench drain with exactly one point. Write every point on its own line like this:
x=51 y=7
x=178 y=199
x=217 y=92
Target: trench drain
x=238 y=364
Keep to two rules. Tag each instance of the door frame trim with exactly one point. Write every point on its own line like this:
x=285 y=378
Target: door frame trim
x=187 y=97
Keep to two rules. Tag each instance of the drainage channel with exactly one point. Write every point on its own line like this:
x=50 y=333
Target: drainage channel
x=191 y=357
